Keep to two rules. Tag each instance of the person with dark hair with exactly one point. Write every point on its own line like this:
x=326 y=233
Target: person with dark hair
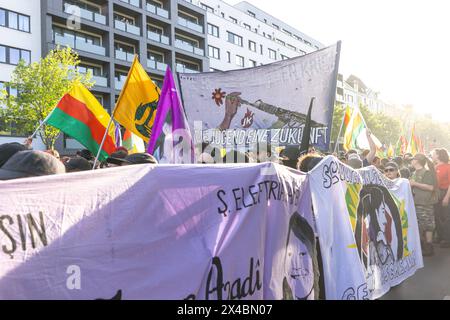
x=391 y=171
x=377 y=217
x=85 y=153
x=307 y=162
x=77 y=164
x=442 y=210
x=7 y=150
x=289 y=156
x=141 y=158
x=424 y=187
x=296 y=285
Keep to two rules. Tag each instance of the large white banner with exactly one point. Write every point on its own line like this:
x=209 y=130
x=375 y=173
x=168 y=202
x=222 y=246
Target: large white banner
x=368 y=230
x=159 y=232
x=266 y=104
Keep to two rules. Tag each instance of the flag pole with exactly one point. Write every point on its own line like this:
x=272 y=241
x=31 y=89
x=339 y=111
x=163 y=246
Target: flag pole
x=336 y=144
x=113 y=112
x=41 y=124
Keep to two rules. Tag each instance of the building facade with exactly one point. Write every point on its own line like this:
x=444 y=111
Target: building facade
x=20 y=27
x=353 y=92
x=243 y=36
x=108 y=33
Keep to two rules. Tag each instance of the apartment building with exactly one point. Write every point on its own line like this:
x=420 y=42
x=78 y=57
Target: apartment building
x=243 y=36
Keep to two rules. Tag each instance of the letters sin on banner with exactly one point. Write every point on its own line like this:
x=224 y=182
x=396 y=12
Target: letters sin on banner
x=164 y=232
x=366 y=223
x=274 y=101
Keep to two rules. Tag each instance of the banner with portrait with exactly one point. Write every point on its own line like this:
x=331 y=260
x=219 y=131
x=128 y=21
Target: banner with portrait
x=368 y=230
x=159 y=232
x=266 y=104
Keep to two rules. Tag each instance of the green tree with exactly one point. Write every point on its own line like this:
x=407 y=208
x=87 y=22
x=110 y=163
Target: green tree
x=41 y=85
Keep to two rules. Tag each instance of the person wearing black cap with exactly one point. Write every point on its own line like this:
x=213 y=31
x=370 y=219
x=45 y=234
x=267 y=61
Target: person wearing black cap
x=391 y=171
x=30 y=164
x=135 y=158
x=7 y=150
x=78 y=164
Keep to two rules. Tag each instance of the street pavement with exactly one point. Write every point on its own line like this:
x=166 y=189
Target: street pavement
x=432 y=282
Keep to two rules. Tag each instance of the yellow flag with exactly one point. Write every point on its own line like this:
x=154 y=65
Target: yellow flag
x=136 y=107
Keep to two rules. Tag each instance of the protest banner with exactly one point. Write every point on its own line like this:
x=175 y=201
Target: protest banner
x=367 y=229
x=159 y=232
x=266 y=104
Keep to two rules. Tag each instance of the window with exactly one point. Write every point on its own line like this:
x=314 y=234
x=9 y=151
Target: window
x=233 y=38
x=287 y=32
x=26 y=56
x=3 y=54
x=12 y=20
x=246 y=26
x=223 y=14
x=252 y=63
x=239 y=61
x=229 y=56
x=252 y=45
x=275 y=26
x=207 y=8
x=302 y=52
x=24 y=23
x=2 y=18
x=272 y=54
x=281 y=42
x=291 y=47
x=283 y=57
x=14 y=56
x=261 y=49
x=214 y=52
x=213 y=30
x=234 y=20
x=251 y=14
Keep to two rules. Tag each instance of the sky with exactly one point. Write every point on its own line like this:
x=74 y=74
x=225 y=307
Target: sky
x=400 y=48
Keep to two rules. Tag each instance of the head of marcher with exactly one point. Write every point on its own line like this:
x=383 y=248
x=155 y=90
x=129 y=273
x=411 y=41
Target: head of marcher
x=440 y=156
x=141 y=158
x=7 y=150
x=30 y=164
x=391 y=170
x=290 y=156
x=85 y=153
x=77 y=164
x=308 y=162
x=355 y=161
x=54 y=153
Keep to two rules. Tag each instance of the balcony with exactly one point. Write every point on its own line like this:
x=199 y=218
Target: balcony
x=85 y=14
x=157 y=10
x=189 y=24
x=127 y=27
x=126 y=56
x=132 y=2
x=188 y=47
x=181 y=68
x=100 y=81
x=158 y=37
x=119 y=82
x=156 y=65
x=80 y=45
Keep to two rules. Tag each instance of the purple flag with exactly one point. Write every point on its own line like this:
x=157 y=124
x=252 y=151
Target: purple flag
x=175 y=149
x=118 y=135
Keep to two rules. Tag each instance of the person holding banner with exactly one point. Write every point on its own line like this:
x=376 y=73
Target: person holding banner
x=424 y=184
x=442 y=209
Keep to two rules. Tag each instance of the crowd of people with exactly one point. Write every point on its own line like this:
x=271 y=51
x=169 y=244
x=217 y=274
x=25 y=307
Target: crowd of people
x=19 y=160
x=429 y=175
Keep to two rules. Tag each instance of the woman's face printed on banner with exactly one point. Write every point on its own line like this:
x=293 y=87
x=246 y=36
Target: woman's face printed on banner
x=300 y=248
x=378 y=232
